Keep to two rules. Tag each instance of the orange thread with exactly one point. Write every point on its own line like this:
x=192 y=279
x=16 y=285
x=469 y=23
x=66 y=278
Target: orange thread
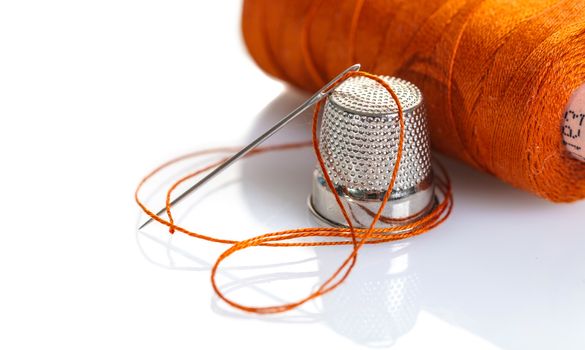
x=496 y=78
x=350 y=235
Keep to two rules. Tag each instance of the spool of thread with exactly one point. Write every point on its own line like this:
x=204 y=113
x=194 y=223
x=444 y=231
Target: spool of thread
x=497 y=75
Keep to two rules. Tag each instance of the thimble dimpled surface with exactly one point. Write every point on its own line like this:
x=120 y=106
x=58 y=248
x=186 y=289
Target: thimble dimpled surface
x=360 y=133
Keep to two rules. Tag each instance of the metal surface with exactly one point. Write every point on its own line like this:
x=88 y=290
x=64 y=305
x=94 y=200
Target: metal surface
x=359 y=142
x=319 y=95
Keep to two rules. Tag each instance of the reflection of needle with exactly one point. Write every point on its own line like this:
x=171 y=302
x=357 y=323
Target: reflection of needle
x=319 y=95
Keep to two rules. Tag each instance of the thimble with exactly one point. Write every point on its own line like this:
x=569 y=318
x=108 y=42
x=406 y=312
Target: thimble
x=359 y=136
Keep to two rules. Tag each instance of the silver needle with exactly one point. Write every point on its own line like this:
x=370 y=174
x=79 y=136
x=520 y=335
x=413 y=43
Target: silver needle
x=284 y=121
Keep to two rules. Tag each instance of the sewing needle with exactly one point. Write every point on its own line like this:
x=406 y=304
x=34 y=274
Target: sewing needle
x=319 y=95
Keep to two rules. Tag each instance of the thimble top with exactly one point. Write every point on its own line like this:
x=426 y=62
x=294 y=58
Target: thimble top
x=365 y=96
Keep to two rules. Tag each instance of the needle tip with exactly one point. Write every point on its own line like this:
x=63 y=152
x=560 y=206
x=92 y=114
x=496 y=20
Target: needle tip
x=146 y=223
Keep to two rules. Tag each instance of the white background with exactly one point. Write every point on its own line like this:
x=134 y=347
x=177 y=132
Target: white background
x=93 y=94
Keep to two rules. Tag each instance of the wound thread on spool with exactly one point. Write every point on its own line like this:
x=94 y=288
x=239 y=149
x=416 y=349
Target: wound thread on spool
x=496 y=75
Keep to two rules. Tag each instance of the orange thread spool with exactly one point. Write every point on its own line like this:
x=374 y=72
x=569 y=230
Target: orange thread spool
x=496 y=75
x=350 y=235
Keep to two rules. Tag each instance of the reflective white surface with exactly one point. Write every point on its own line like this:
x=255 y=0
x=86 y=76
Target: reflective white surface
x=95 y=95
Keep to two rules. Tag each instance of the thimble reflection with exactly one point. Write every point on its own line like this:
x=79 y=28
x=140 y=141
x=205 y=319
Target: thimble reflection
x=359 y=138
x=382 y=301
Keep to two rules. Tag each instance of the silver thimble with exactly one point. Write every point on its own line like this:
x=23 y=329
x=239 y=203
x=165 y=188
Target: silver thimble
x=359 y=138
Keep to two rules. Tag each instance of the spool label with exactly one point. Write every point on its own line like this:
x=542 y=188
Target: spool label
x=573 y=129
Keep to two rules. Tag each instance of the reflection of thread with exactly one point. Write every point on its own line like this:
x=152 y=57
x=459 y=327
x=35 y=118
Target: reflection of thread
x=496 y=75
